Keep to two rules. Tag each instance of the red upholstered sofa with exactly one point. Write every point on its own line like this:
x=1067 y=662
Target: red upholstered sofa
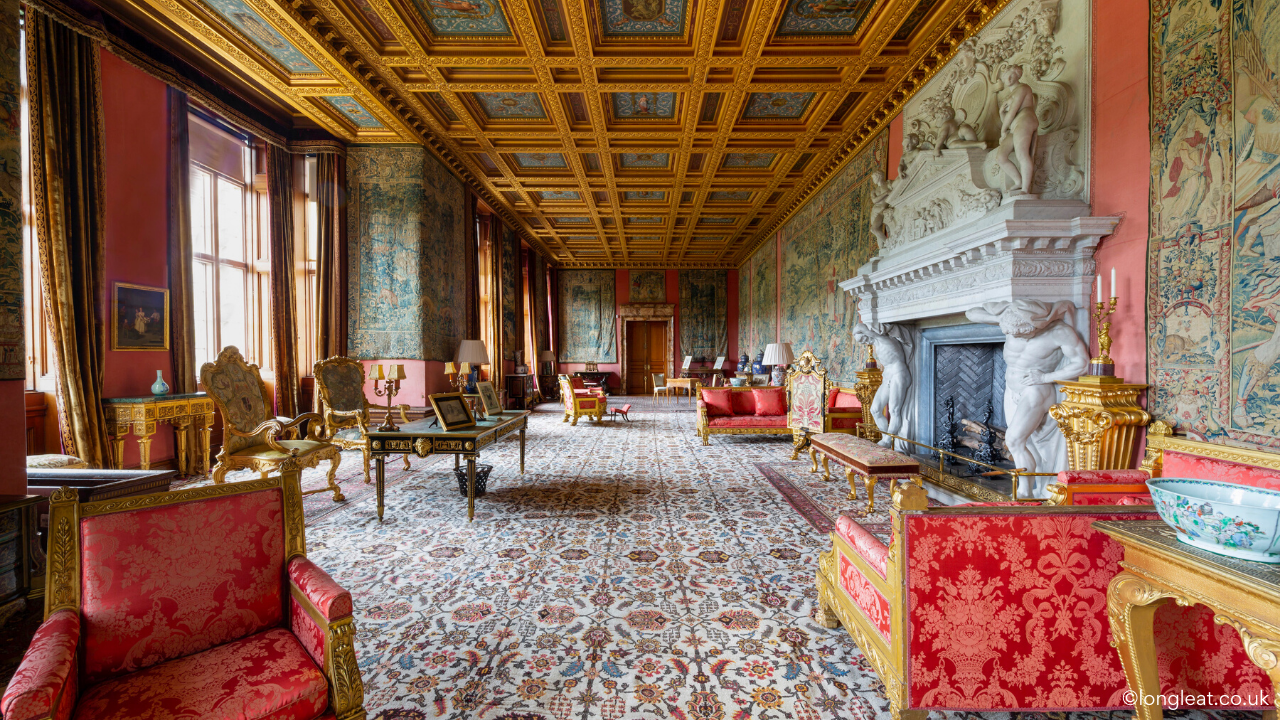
x=1167 y=456
x=194 y=603
x=742 y=411
x=844 y=411
x=1005 y=608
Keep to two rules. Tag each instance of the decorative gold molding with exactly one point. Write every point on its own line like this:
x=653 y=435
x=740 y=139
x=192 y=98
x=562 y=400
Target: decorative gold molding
x=1100 y=423
x=1229 y=453
x=346 y=689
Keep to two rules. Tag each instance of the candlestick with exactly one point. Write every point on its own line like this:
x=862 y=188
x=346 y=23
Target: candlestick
x=390 y=388
x=1103 y=364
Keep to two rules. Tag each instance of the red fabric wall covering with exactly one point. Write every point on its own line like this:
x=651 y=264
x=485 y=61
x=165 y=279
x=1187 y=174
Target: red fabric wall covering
x=136 y=129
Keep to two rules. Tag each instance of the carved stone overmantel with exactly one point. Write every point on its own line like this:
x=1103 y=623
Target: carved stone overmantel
x=1025 y=249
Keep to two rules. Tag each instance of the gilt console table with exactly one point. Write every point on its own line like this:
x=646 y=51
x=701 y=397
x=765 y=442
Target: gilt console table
x=425 y=437
x=1158 y=568
x=140 y=415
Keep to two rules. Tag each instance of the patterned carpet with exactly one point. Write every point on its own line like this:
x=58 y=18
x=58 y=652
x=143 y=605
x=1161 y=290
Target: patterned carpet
x=632 y=574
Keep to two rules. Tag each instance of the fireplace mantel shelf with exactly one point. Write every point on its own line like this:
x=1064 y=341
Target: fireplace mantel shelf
x=1025 y=249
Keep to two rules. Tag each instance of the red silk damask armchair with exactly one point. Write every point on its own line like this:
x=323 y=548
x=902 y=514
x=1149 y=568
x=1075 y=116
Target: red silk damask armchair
x=1167 y=456
x=580 y=401
x=193 y=603
x=984 y=607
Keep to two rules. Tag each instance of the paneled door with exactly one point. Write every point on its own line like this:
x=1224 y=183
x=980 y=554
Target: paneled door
x=646 y=354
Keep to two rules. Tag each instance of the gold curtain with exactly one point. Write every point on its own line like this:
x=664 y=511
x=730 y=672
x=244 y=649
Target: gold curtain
x=64 y=81
x=331 y=265
x=284 y=302
x=182 y=318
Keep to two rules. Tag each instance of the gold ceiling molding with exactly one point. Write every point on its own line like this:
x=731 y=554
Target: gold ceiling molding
x=610 y=133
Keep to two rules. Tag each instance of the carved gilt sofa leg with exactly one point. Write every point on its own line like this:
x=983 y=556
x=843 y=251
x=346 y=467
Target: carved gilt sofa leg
x=813 y=456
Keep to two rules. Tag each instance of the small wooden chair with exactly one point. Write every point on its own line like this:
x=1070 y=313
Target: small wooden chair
x=345 y=408
x=660 y=386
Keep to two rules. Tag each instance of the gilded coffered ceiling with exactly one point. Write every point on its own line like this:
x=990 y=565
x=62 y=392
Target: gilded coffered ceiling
x=612 y=133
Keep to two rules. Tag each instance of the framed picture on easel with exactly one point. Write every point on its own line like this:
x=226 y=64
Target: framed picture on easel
x=489 y=398
x=452 y=411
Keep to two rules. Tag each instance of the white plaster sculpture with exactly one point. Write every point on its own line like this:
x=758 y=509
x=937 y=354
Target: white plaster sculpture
x=893 y=348
x=910 y=144
x=1018 y=128
x=952 y=132
x=879 y=193
x=1040 y=348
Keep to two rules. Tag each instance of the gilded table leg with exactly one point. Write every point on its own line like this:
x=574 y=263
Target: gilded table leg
x=180 y=428
x=471 y=488
x=144 y=431
x=1131 y=609
x=813 y=456
x=380 y=480
x=523 y=428
x=206 y=430
x=1265 y=653
x=826 y=469
x=117 y=450
x=869 y=482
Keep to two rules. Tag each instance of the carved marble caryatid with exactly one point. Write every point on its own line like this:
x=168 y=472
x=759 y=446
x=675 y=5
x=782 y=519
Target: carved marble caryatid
x=893 y=347
x=1018 y=128
x=879 y=193
x=1040 y=348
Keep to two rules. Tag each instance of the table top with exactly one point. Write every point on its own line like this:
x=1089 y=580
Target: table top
x=13 y=502
x=1159 y=536
x=156 y=398
x=426 y=427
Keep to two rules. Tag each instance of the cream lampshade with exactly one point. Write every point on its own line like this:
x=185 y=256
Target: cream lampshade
x=473 y=352
x=547 y=356
x=450 y=368
x=778 y=354
x=375 y=373
x=395 y=372
x=464 y=368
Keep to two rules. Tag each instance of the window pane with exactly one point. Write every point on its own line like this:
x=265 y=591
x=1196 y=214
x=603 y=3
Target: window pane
x=230 y=221
x=203 y=300
x=313 y=229
x=232 y=307
x=201 y=217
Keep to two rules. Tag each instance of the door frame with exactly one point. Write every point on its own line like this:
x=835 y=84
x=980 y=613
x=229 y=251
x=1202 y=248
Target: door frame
x=648 y=312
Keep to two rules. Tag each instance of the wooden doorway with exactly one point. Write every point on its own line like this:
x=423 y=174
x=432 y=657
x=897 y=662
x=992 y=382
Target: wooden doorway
x=646 y=354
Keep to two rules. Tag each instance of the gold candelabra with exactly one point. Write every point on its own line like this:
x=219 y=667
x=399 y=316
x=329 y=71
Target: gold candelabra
x=1103 y=361
x=390 y=380
x=460 y=373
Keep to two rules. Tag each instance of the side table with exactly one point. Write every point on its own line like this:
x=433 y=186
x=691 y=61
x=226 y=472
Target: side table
x=140 y=415
x=1158 y=568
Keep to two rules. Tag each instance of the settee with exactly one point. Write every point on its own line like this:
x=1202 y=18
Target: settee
x=742 y=411
x=190 y=603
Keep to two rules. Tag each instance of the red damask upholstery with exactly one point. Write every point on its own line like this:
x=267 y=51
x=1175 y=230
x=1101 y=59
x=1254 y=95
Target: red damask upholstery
x=842 y=399
x=875 y=552
x=872 y=604
x=717 y=402
x=1102 y=477
x=265 y=675
x=770 y=401
x=47 y=675
x=748 y=421
x=170 y=581
x=843 y=423
x=744 y=401
x=1178 y=464
x=327 y=596
x=864 y=456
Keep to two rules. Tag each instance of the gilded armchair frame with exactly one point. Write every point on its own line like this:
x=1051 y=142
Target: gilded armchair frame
x=63 y=577
x=573 y=403
x=806 y=365
x=338 y=420
x=270 y=430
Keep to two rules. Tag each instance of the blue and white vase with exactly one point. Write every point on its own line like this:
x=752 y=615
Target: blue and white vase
x=159 y=387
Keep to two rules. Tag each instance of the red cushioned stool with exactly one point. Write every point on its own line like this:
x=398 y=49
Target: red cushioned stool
x=614 y=412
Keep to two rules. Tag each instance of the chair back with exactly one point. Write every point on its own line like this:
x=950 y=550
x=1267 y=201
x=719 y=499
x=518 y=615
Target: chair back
x=566 y=391
x=659 y=380
x=237 y=389
x=807 y=393
x=340 y=381
x=162 y=576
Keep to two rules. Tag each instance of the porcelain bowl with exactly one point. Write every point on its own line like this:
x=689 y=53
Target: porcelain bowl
x=738 y=382
x=1238 y=521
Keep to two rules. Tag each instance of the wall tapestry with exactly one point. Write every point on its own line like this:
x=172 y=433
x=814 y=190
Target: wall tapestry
x=538 y=293
x=1213 y=295
x=823 y=244
x=406 y=222
x=763 y=268
x=704 y=313
x=588 y=319
x=12 y=346
x=648 y=286
x=512 y=307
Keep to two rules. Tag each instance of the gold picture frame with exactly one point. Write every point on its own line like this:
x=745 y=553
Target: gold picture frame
x=489 y=398
x=139 y=317
x=452 y=411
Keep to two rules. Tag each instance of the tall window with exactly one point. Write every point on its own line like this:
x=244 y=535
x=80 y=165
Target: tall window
x=308 y=253
x=488 y=291
x=229 y=271
x=39 y=351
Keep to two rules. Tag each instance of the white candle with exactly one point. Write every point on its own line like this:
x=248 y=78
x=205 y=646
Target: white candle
x=1113 y=282
x=1099 y=287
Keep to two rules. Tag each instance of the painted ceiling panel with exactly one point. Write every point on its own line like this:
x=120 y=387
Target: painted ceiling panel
x=644 y=160
x=777 y=105
x=259 y=31
x=817 y=18
x=464 y=18
x=510 y=105
x=643 y=18
x=354 y=111
x=644 y=105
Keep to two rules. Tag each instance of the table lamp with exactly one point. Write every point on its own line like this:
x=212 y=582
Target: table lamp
x=390 y=379
x=471 y=355
x=778 y=355
x=548 y=359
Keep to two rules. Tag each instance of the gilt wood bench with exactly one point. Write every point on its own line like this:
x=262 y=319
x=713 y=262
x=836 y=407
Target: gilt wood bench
x=861 y=458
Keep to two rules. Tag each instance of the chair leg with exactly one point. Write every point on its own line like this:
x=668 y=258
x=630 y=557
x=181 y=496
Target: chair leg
x=364 y=452
x=333 y=474
x=406 y=461
x=219 y=474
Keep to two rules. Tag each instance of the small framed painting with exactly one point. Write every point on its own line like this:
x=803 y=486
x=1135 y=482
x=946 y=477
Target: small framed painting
x=719 y=363
x=489 y=396
x=139 y=317
x=452 y=411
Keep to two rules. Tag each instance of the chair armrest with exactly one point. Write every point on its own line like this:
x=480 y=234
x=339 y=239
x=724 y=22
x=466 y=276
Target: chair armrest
x=45 y=684
x=328 y=598
x=1099 y=477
